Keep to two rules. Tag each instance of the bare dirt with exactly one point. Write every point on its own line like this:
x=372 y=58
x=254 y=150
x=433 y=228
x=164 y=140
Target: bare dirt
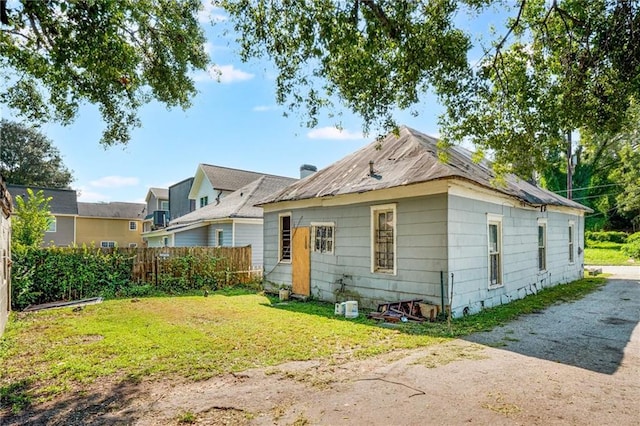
x=572 y=364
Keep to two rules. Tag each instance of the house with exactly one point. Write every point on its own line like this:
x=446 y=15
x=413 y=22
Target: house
x=212 y=183
x=179 y=202
x=392 y=222
x=64 y=208
x=158 y=216
x=6 y=206
x=114 y=224
x=234 y=221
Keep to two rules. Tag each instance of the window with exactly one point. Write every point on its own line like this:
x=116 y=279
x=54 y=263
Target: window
x=285 y=237
x=571 y=241
x=133 y=225
x=204 y=201
x=542 y=245
x=383 y=229
x=219 y=238
x=164 y=205
x=494 y=229
x=107 y=244
x=323 y=237
x=53 y=225
x=165 y=241
x=133 y=245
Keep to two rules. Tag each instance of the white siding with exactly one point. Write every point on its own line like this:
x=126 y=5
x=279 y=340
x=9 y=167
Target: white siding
x=468 y=252
x=250 y=234
x=420 y=251
x=196 y=237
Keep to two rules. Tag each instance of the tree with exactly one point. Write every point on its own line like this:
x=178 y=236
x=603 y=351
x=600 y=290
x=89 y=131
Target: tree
x=558 y=66
x=27 y=157
x=57 y=54
x=30 y=220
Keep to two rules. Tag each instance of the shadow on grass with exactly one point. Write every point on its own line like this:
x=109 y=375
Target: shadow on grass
x=100 y=406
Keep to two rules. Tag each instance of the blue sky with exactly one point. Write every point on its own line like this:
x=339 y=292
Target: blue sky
x=234 y=122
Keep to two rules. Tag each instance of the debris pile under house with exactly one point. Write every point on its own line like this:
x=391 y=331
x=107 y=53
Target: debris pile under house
x=406 y=310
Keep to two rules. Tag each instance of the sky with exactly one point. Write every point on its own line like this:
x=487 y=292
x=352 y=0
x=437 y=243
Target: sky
x=233 y=122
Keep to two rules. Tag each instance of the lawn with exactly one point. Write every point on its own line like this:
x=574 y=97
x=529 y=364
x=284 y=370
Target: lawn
x=605 y=253
x=52 y=352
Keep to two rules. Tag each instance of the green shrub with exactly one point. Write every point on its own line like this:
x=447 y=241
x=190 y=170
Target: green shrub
x=606 y=236
x=632 y=247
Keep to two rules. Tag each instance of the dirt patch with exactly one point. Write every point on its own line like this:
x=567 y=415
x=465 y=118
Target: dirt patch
x=574 y=363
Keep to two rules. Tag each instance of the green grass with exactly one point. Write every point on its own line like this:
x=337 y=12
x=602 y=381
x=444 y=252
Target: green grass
x=605 y=253
x=52 y=352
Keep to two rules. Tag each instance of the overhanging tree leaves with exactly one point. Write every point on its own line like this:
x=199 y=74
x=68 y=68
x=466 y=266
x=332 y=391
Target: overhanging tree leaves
x=557 y=66
x=118 y=55
x=27 y=157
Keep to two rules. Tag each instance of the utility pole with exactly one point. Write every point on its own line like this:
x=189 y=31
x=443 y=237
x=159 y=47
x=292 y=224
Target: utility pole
x=569 y=166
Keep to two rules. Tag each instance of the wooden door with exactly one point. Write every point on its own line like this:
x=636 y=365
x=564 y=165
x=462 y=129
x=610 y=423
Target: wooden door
x=301 y=261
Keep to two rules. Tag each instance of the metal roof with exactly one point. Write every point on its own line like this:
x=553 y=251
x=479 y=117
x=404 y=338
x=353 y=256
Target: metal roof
x=63 y=201
x=113 y=210
x=240 y=203
x=408 y=158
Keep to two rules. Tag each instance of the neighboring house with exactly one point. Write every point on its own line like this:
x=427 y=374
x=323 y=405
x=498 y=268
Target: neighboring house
x=391 y=222
x=5 y=252
x=179 y=202
x=212 y=183
x=157 y=209
x=63 y=207
x=233 y=222
x=114 y=224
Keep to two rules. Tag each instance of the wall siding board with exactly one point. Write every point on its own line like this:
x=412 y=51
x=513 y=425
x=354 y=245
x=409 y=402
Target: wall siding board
x=191 y=238
x=250 y=234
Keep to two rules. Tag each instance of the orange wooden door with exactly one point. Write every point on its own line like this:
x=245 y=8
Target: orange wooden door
x=301 y=261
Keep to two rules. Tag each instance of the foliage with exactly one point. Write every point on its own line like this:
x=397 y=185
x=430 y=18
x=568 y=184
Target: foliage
x=555 y=66
x=53 y=274
x=119 y=56
x=173 y=337
x=28 y=158
x=15 y=395
x=606 y=236
x=609 y=254
x=60 y=273
x=31 y=219
x=632 y=247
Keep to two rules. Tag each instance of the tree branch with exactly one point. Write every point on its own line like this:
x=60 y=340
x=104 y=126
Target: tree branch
x=382 y=17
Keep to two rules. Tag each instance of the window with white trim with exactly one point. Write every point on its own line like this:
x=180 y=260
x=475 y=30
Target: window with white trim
x=204 y=201
x=572 y=234
x=107 y=244
x=285 y=237
x=542 y=245
x=53 y=224
x=494 y=238
x=383 y=238
x=323 y=237
x=133 y=225
x=219 y=238
x=165 y=241
x=164 y=205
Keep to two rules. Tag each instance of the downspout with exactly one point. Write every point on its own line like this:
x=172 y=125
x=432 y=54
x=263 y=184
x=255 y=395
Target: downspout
x=442 y=291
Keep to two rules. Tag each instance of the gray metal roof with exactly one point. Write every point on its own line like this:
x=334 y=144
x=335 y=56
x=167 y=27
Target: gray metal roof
x=228 y=179
x=113 y=210
x=63 y=201
x=238 y=204
x=405 y=159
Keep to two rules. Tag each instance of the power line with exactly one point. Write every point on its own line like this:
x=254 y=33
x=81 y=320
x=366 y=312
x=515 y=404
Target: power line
x=593 y=196
x=589 y=187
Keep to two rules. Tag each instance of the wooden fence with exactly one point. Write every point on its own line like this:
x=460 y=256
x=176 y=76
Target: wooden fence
x=151 y=263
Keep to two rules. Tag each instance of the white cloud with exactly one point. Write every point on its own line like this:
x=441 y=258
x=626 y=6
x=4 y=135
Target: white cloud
x=114 y=182
x=263 y=108
x=210 y=13
x=224 y=74
x=333 y=133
